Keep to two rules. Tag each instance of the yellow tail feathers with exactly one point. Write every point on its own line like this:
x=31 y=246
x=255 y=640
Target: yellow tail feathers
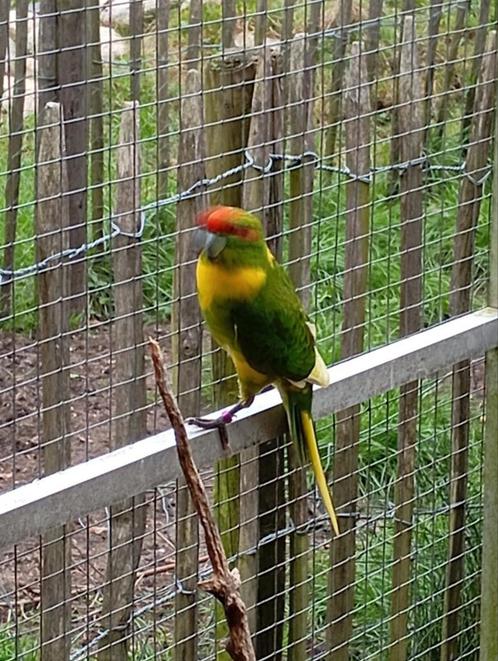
x=316 y=464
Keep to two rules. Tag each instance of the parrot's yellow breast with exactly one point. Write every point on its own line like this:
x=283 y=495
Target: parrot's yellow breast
x=217 y=282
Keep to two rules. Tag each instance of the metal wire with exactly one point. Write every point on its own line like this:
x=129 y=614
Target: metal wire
x=293 y=160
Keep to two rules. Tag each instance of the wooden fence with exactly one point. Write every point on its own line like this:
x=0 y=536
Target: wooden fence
x=372 y=180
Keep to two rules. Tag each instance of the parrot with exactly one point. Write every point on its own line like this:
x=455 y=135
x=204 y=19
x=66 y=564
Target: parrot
x=253 y=312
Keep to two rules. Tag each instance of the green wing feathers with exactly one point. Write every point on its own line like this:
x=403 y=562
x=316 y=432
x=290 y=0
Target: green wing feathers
x=297 y=403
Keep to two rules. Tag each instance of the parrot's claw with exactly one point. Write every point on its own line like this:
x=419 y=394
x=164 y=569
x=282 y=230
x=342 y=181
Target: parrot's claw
x=216 y=423
x=221 y=422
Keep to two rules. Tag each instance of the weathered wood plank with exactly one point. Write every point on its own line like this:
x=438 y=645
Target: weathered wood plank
x=342 y=549
x=228 y=97
x=338 y=63
x=435 y=13
x=255 y=198
x=489 y=580
x=136 y=45
x=52 y=224
x=163 y=106
x=71 y=79
x=96 y=118
x=16 y=135
x=411 y=125
x=299 y=82
x=187 y=354
x=127 y=519
x=469 y=205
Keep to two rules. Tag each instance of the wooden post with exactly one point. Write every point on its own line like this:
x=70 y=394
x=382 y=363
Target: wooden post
x=489 y=580
x=163 y=126
x=194 y=48
x=261 y=22
x=299 y=84
x=96 y=122
x=16 y=135
x=229 y=14
x=338 y=64
x=255 y=198
x=48 y=43
x=411 y=125
x=343 y=549
x=372 y=46
x=4 y=39
x=435 y=12
x=72 y=79
x=187 y=353
x=137 y=33
x=229 y=86
x=479 y=46
x=462 y=10
x=469 y=205
x=52 y=235
x=271 y=501
x=127 y=519
x=259 y=501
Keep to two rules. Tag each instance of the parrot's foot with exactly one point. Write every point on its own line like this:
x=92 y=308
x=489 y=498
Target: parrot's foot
x=221 y=422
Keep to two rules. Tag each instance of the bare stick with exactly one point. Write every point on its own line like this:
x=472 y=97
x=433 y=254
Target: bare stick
x=224 y=584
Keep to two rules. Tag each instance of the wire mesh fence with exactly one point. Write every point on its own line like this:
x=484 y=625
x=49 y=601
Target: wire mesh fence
x=361 y=133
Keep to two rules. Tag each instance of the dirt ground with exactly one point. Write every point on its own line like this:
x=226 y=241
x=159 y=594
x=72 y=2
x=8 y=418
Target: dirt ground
x=21 y=462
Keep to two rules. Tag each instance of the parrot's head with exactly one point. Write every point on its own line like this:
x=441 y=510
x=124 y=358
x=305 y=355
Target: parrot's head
x=230 y=234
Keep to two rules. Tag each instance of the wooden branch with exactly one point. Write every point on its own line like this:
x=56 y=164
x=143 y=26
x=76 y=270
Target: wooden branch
x=224 y=584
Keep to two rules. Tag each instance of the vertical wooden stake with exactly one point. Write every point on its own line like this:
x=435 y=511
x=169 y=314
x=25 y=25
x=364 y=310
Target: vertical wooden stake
x=479 y=46
x=96 y=120
x=469 y=204
x=255 y=198
x=372 y=39
x=48 y=44
x=489 y=589
x=457 y=33
x=127 y=520
x=193 y=55
x=137 y=33
x=16 y=135
x=52 y=221
x=71 y=76
x=163 y=127
x=435 y=12
x=411 y=125
x=343 y=549
x=187 y=353
x=229 y=13
x=299 y=84
x=229 y=85
x=335 y=91
x=271 y=491
x=4 y=40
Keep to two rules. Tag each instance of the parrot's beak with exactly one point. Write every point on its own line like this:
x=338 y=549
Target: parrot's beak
x=214 y=244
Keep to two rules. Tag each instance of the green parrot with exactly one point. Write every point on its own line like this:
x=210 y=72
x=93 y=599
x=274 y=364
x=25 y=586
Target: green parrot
x=254 y=313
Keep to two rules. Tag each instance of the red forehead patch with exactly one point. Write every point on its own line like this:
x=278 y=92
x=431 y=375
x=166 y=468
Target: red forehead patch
x=223 y=220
